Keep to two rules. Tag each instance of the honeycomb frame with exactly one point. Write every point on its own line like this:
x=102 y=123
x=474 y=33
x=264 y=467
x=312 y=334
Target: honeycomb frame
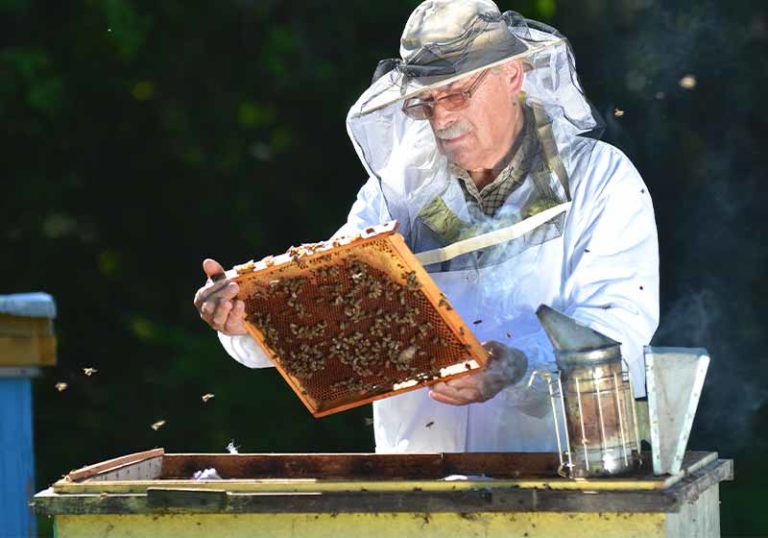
x=353 y=320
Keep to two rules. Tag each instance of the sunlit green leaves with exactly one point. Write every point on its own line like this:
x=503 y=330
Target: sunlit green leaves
x=58 y=225
x=108 y=262
x=29 y=72
x=281 y=139
x=280 y=52
x=143 y=90
x=127 y=29
x=144 y=329
x=546 y=8
x=252 y=114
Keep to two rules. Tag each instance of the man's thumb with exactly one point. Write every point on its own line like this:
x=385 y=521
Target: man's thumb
x=212 y=268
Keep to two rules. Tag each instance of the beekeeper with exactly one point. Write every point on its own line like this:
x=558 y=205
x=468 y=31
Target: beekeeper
x=480 y=142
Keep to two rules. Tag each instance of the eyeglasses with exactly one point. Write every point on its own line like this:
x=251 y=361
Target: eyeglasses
x=423 y=109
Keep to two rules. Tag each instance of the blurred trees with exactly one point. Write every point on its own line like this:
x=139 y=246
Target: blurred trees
x=140 y=137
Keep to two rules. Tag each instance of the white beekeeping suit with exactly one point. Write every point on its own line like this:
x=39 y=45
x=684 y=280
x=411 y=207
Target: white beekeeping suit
x=597 y=261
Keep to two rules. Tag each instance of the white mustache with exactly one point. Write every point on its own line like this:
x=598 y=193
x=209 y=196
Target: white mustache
x=454 y=130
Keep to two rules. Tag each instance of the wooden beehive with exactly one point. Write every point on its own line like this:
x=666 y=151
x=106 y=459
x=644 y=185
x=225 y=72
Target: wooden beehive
x=353 y=320
x=26 y=341
x=384 y=495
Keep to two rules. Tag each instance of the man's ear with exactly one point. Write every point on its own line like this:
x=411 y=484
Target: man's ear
x=515 y=74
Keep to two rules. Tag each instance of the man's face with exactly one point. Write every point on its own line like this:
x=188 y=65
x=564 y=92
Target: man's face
x=481 y=134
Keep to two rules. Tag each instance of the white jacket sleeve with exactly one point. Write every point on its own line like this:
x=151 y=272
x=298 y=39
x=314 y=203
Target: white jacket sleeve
x=611 y=273
x=368 y=210
x=245 y=350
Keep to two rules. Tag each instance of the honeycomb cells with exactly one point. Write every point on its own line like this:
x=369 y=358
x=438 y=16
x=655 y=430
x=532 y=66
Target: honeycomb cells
x=346 y=330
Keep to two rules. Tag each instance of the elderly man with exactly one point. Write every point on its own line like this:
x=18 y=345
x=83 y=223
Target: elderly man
x=481 y=130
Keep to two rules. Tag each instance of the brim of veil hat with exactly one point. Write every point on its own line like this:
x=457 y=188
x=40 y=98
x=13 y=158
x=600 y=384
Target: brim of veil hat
x=396 y=86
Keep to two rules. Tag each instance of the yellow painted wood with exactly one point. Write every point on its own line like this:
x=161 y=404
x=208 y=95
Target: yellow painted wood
x=26 y=341
x=25 y=326
x=486 y=525
x=27 y=350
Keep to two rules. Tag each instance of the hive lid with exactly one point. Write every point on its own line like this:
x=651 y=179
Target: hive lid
x=353 y=320
x=34 y=305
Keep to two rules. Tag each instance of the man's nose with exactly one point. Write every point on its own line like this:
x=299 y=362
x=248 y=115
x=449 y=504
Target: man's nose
x=441 y=118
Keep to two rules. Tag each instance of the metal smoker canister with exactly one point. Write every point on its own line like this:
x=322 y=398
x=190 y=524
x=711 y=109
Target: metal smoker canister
x=593 y=396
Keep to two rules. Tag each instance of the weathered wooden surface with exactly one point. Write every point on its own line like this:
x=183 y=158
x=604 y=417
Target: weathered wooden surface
x=364 y=466
x=403 y=496
x=26 y=341
x=110 y=467
x=371 y=525
x=351 y=472
x=699 y=517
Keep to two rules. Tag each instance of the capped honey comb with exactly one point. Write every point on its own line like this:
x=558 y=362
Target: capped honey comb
x=353 y=320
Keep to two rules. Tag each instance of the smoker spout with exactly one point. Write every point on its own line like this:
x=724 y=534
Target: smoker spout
x=568 y=335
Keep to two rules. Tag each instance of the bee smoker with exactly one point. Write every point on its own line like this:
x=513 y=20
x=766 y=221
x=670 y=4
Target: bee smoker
x=592 y=400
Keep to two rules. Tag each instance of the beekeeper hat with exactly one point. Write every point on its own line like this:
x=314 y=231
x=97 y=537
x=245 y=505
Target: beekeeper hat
x=446 y=40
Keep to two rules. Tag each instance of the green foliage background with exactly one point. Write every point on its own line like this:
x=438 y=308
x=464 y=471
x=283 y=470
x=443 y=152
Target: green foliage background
x=141 y=136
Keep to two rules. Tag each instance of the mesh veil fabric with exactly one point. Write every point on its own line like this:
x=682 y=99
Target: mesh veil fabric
x=415 y=178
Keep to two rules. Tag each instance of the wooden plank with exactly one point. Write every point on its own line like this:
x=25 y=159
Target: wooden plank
x=35 y=350
x=186 y=500
x=91 y=470
x=699 y=518
x=365 y=466
x=49 y=502
x=518 y=465
x=314 y=466
x=148 y=469
x=479 y=498
x=351 y=472
x=25 y=326
x=313 y=486
x=409 y=497
x=436 y=496
x=406 y=525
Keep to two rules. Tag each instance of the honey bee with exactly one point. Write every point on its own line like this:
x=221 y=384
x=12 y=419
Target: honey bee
x=157 y=425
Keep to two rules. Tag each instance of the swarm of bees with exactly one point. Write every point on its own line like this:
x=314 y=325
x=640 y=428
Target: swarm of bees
x=350 y=328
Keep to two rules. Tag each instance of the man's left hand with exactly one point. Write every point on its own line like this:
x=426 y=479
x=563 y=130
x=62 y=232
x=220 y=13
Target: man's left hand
x=505 y=367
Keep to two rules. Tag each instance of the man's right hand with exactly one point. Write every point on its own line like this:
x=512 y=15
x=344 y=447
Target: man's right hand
x=216 y=302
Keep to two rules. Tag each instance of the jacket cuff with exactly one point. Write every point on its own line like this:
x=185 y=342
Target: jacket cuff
x=245 y=350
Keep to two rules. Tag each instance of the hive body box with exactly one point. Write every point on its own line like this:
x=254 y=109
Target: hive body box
x=381 y=496
x=354 y=320
x=27 y=342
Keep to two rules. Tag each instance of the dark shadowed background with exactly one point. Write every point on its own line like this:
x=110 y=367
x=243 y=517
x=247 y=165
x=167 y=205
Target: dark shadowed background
x=141 y=136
